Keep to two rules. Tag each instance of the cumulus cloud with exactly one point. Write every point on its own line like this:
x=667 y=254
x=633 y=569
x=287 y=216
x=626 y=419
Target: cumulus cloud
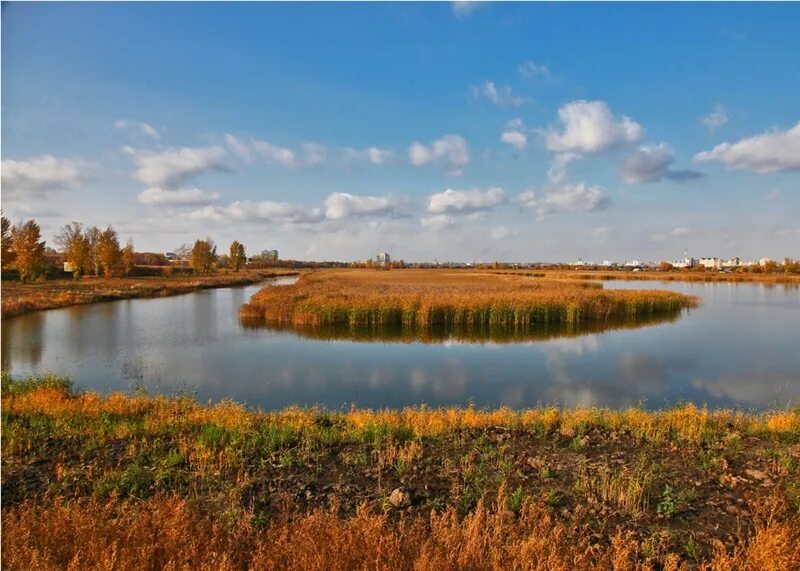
x=264 y=211
x=578 y=197
x=180 y=197
x=651 y=163
x=557 y=173
x=308 y=155
x=717 y=118
x=174 y=166
x=451 y=151
x=463 y=8
x=41 y=174
x=532 y=70
x=464 y=201
x=515 y=135
x=140 y=127
x=774 y=151
x=340 y=205
x=502 y=96
x=591 y=127
x=373 y=155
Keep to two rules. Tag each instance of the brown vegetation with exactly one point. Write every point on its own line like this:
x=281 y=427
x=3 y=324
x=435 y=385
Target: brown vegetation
x=666 y=276
x=19 y=298
x=422 y=299
x=124 y=482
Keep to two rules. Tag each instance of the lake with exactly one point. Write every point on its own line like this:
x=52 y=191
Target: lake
x=740 y=347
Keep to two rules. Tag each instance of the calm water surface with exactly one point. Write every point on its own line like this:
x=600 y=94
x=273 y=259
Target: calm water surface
x=741 y=347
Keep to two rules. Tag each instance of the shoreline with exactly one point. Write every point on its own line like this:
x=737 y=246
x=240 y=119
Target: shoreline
x=675 y=488
x=20 y=299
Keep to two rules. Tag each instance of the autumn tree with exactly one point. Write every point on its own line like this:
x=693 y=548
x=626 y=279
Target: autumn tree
x=204 y=254
x=7 y=255
x=109 y=253
x=128 y=257
x=664 y=267
x=93 y=239
x=28 y=247
x=237 y=256
x=75 y=246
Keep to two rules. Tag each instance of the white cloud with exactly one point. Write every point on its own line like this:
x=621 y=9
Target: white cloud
x=451 y=150
x=591 y=127
x=774 y=151
x=138 y=126
x=515 y=135
x=309 y=154
x=172 y=167
x=463 y=8
x=341 y=205
x=180 y=197
x=717 y=118
x=578 y=197
x=437 y=222
x=464 y=201
x=41 y=174
x=651 y=163
x=531 y=70
x=681 y=231
x=265 y=211
x=677 y=232
x=374 y=155
x=557 y=173
x=502 y=96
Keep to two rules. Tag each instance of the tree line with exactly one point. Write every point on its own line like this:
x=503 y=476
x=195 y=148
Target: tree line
x=89 y=250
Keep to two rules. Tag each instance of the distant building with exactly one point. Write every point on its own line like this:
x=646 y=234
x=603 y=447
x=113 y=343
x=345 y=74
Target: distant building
x=764 y=261
x=710 y=263
x=633 y=264
x=734 y=262
x=684 y=263
x=171 y=256
x=384 y=260
x=270 y=255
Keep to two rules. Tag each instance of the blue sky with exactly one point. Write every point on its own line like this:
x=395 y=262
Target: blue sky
x=431 y=130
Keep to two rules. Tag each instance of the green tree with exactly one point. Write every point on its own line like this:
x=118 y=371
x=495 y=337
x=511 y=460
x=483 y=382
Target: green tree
x=7 y=255
x=237 y=256
x=128 y=257
x=28 y=247
x=204 y=254
x=75 y=247
x=109 y=253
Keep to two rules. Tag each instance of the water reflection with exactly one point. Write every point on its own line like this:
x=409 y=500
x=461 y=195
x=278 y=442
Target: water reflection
x=738 y=348
x=442 y=333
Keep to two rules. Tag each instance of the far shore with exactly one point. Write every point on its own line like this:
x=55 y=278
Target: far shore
x=21 y=298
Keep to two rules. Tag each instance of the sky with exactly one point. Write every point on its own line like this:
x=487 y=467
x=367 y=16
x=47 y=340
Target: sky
x=432 y=131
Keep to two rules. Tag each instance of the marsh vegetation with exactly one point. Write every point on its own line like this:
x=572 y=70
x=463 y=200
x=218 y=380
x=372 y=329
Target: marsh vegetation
x=421 y=300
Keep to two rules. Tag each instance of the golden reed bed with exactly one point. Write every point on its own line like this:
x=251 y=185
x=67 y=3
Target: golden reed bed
x=421 y=299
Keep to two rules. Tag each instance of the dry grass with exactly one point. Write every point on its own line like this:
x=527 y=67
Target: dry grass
x=422 y=299
x=671 y=276
x=120 y=482
x=19 y=298
x=171 y=533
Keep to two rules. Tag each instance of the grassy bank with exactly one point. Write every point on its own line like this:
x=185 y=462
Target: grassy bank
x=20 y=298
x=130 y=481
x=420 y=299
